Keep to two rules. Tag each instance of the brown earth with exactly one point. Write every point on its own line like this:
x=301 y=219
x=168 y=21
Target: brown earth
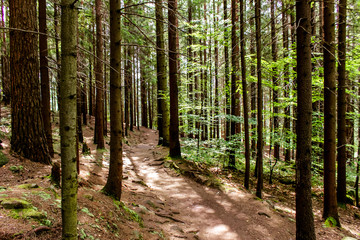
x=159 y=202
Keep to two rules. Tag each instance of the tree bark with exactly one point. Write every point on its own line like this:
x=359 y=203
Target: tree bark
x=341 y=106
x=174 y=143
x=114 y=181
x=275 y=78
x=162 y=84
x=99 y=115
x=330 y=203
x=28 y=136
x=304 y=213
x=227 y=74
x=235 y=95
x=285 y=24
x=245 y=96
x=68 y=113
x=259 y=102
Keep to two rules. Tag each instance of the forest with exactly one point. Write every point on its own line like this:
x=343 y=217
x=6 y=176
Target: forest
x=179 y=119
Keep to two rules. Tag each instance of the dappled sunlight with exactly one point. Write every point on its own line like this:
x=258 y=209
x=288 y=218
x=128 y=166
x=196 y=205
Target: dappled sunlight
x=222 y=231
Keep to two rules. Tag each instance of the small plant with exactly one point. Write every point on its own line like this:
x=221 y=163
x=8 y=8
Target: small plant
x=86 y=210
x=330 y=222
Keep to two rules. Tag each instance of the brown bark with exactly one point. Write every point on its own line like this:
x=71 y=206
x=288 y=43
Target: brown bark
x=162 y=84
x=28 y=136
x=245 y=96
x=330 y=202
x=253 y=92
x=235 y=95
x=5 y=66
x=285 y=23
x=113 y=185
x=304 y=213
x=275 y=78
x=341 y=106
x=227 y=73
x=44 y=74
x=99 y=115
x=144 y=116
x=174 y=143
x=260 y=143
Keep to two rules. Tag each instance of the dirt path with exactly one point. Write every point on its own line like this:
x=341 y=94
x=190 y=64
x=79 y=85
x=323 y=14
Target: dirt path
x=194 y=211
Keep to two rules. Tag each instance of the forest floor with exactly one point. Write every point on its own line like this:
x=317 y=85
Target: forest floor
x=161 y=199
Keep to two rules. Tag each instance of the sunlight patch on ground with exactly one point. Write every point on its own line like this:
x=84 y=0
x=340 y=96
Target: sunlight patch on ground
x=222 y=231
x=202 y=209
x=350 y=229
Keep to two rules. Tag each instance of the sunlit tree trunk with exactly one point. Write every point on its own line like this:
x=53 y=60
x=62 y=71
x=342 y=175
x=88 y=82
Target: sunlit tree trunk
x=68 y=113
x=162 y=84
x=28 y=137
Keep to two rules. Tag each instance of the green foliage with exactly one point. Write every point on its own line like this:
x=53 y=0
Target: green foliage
x=3 y=159
x=86 y=210
x=16 y=169
x=330 y=222
x=133 y=215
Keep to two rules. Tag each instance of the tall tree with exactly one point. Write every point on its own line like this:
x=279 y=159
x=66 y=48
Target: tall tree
x=5 y=68
x=304 y=213
x=174 y=143
x=330 y=203
x=275 y=78
x=44 y=73
x=99 y=115
x=260 y=143
x=235 y=95
x=144 y=116
x=285 y=28
x=68 y=113
x=341 y=105
x=162 y=88
x=28 y=136
x=114 y=181
x=227 y=71
x=245 y=96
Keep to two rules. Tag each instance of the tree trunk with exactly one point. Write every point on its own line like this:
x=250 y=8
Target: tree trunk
x=144 y=119
x=341 y=106
x=275 y=78
x=253 y=91
x=285 y=23
x=114 y=181
x=162 y=85
x=259 y=102
x=227 y=71
x=5 y=66
x=44 y=74
x=245 y=96
x=304 y=213
x=174 y=143
x=235 y=95
x=28 y=137
x=330 y=203
x=99 y=117
x=69 y=182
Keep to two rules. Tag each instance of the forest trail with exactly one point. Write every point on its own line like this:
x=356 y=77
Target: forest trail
x=194 y=211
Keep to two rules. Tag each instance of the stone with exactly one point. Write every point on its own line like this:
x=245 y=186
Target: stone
x=14 y=203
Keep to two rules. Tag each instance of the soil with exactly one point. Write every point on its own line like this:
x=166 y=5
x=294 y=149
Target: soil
x=161 y=198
